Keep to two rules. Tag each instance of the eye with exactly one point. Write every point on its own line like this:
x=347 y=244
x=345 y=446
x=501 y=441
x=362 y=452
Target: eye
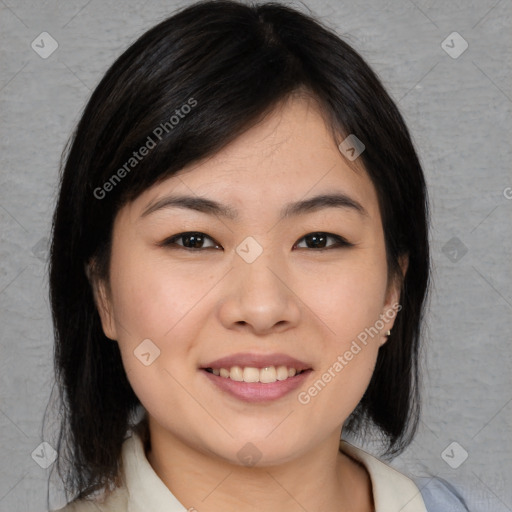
x=191 y=240
x=319 y=238
x=194 y=240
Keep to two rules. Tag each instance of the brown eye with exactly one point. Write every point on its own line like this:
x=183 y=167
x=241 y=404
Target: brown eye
x=318 y=240
x=195 y=241
x=191 y=240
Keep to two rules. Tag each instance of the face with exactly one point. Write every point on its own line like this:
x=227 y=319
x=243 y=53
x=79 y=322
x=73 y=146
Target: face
x=308 y=290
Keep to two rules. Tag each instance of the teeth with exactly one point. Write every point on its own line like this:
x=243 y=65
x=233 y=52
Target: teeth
x=250 y=374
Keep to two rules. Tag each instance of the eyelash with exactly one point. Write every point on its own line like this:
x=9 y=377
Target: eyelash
x=170 y=242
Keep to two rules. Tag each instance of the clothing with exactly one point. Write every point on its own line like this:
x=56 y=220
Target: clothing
x=441 y=496
x=144 y=491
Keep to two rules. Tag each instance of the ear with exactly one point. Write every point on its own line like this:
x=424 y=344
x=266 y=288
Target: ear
x=392 y=303
x=103 y=302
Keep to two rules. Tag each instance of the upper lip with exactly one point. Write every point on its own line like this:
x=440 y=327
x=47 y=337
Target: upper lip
x=246 y=359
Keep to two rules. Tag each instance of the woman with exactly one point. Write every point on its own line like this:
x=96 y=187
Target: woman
x=239 y=267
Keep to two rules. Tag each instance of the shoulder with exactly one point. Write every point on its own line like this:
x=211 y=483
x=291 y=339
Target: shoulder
x=423 y=494
x=440 y=496
x=392 y=490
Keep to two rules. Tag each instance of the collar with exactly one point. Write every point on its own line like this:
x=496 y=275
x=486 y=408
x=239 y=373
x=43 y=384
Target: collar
x=392 y=490
x=144 y=490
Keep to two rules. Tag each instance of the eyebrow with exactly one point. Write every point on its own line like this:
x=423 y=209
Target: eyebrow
x=211 y=207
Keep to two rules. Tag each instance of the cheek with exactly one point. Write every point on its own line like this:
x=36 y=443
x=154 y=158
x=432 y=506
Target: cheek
x=156 y=309
x=348 y=298
x=153 y=296
x=154 y=305
x=348 y=301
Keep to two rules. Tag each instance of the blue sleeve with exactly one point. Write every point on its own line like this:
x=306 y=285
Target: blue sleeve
x=440 y=496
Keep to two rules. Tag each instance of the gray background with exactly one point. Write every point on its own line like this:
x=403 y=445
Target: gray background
x=458 y=110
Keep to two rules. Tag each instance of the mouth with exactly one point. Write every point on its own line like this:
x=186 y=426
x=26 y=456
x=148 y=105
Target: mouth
x=253 y=367
x=256 y=378
x=251 y=374
x=255 y=391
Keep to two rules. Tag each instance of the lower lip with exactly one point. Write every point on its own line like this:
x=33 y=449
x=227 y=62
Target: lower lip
x=257 y=391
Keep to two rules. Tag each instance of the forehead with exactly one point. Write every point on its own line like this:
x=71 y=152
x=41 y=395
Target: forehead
x=288 y=156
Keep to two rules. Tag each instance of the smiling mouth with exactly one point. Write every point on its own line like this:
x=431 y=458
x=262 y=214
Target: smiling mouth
x=266 y=375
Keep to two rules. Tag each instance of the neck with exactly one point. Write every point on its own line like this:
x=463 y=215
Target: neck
x=322 y=479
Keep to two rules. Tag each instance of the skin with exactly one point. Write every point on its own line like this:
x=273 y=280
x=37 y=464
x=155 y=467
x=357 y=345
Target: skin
x=303 y=301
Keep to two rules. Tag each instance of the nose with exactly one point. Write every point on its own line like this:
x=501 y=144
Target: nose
x=259 y=296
